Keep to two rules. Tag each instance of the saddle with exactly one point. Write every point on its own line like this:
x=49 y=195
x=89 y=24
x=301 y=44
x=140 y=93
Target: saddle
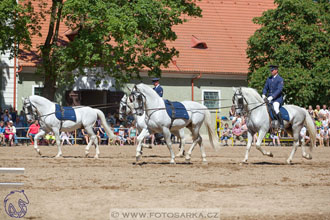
x=272 y=114
x=65 y=113
x=176 y=110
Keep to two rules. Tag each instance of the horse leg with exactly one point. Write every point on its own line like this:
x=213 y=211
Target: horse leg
x=304 y=154
x=261 y=136
x=296 y=131
x=58 y=142
x=144 y=133
x=167 y=136
x=180 y=134
x=248 y=147
x=196 y=140
x=92 y=138
x=41 y=133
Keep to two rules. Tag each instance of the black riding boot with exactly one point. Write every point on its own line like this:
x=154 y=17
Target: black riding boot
x=279 y=116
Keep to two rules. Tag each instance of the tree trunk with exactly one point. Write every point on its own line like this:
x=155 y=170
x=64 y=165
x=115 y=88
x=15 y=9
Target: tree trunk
x=49 y=88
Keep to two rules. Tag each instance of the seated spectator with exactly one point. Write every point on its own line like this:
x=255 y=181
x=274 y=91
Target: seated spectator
x=6 y=116
x=121 y=135
x=85 y=135
x=116 y=128
x=325 y=136
x=132 y=134
x=237 y=133
x=225 y=134
x=13 y=128
x=2 y=133
x=311 y=111
x=50 y=138
x=9 y=135
x=317 y=110
x=103 y=134
x=97 y=132
x=276 y=138
x=324 y=121
x=232 y=113
x=323 y=112
x=65 y=138
x=33 y=130
x=304 y=138
x=237 y=120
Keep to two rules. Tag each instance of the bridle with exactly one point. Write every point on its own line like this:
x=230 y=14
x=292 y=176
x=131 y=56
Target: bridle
x=240 y=103
x=29 y=108
x=139 y=96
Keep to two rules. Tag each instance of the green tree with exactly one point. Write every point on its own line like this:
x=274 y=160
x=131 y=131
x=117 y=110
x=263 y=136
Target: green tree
x=18 y=23
x=121 y=36
x=295 y=36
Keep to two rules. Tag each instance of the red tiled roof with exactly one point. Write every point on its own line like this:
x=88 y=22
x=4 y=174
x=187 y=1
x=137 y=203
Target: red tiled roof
x=225 y=28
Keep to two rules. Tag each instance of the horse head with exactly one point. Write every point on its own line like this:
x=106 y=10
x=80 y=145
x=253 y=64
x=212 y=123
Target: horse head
x=29 y=110
x=124 y=109
x=238 y=101
x=137 y=99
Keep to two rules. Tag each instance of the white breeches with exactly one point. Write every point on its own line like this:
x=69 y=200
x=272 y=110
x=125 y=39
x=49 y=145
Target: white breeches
x=276 y=107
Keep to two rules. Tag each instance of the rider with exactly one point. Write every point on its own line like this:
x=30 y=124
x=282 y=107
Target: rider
x=274 y=87
x=157 y=87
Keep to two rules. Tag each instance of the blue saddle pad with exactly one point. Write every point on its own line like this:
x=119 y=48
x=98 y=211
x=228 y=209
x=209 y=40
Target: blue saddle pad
x=178 y=108
x=284 y=113
x=65 y=113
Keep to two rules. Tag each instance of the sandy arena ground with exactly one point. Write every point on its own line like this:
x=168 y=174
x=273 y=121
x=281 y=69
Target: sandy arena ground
x=75 y=187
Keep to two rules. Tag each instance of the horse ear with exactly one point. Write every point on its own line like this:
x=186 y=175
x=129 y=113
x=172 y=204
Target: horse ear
x=234 y=89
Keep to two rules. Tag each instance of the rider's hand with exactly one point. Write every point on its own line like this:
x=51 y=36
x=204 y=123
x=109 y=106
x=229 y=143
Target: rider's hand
x=263 y=96
x=270 y=98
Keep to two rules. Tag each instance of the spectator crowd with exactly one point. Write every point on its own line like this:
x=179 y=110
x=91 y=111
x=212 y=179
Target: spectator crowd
x=14 y=127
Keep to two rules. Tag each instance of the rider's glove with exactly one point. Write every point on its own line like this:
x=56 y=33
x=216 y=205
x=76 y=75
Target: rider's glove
x=263 y=96
x=270 y=98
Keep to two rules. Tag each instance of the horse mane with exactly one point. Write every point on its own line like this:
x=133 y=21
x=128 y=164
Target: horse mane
x=252 y=92
x=145 y=87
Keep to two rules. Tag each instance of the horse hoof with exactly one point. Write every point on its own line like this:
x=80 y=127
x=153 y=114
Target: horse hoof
x=58 y=156
x=86 y=154
x=308 y=157
x=243 y=162
x=289 y=162
x=138 y=156
x=204 y=161
x=96 y=157
x=179 y=155
x=172 y=162
x=270 y=154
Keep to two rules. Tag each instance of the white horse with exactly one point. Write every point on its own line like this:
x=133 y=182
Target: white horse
x=40 y=108
x=126 y=108
x=147 y=100
x=248 y=101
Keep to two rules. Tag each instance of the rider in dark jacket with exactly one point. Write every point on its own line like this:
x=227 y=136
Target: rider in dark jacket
x=274 y=86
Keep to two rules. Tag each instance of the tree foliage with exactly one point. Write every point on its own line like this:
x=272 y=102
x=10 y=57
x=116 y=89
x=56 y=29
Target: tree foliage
x=295 y=36
x=121 y=36
x=17 y=23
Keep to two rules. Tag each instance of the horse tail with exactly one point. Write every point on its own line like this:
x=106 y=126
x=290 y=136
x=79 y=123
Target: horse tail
x=212 y=135
x=107 y=129
x=311 y=129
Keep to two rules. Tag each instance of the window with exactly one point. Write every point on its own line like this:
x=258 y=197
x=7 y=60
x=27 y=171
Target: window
x=212 y=99
x=37 y=90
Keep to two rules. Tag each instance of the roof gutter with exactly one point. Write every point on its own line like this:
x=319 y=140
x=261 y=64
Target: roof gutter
x=192 y=85
x=15 y=72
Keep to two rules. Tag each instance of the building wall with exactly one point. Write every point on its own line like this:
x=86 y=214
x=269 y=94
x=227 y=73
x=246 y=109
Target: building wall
x=7 y=81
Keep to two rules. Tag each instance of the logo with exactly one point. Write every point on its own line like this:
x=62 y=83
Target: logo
x=15 y=204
